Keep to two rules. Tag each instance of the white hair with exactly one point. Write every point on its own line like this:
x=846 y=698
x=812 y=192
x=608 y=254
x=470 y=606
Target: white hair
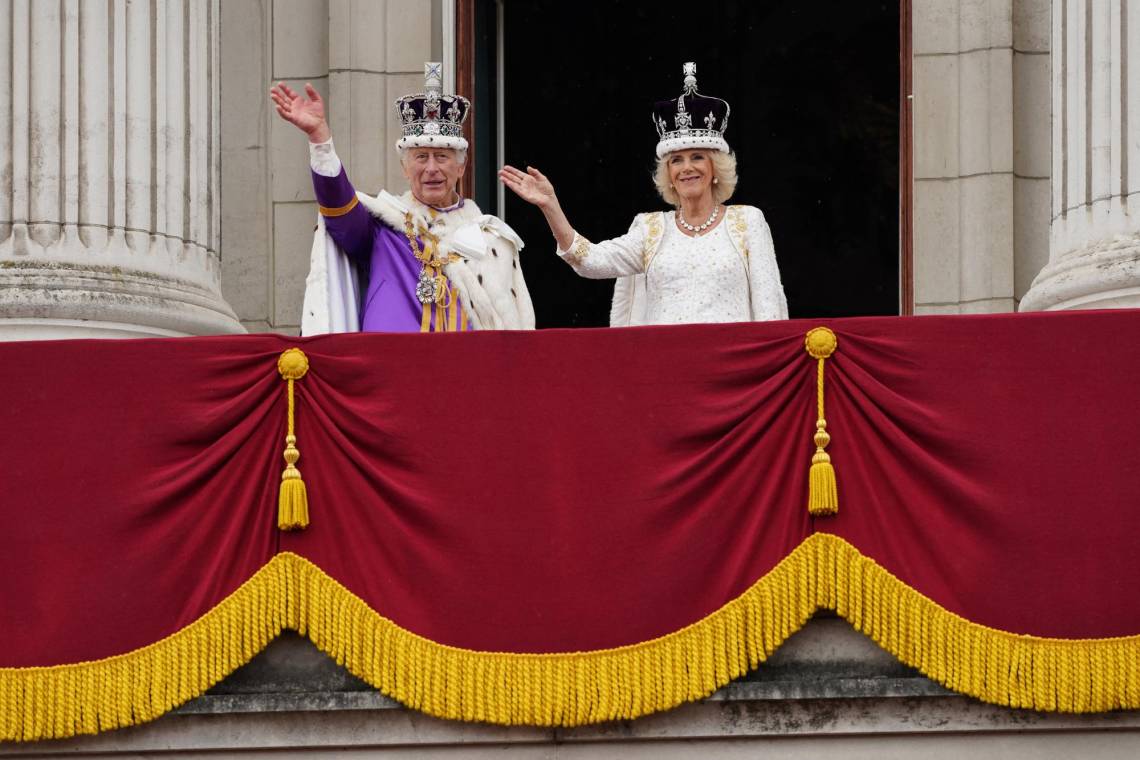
x=460 y=153
x=724 y=170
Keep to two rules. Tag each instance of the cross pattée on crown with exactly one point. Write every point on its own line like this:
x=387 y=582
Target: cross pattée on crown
x=433 y=76
x=433 y=89
x=690 y=72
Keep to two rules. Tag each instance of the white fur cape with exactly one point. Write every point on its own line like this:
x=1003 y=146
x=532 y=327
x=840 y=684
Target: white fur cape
x=488 y=274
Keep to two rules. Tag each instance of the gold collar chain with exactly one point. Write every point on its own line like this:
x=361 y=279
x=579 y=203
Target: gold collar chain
x=432 y=285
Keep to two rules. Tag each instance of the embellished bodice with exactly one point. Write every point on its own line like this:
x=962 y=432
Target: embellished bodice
x=697 y=279
x=666 y=277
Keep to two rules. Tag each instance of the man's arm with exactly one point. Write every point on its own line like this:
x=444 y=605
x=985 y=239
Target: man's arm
x=345 y=219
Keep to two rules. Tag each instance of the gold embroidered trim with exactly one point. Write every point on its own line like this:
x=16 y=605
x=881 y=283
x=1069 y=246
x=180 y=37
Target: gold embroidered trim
x=579 y=250
x=341 y=211
x=653 y=230
x=738 y=228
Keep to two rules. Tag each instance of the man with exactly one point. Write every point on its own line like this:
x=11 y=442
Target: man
x=429 y=259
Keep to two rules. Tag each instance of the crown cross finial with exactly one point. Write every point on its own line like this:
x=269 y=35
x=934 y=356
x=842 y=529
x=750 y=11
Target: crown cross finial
x=433 y=88
x=433 y=76
x=690 y=72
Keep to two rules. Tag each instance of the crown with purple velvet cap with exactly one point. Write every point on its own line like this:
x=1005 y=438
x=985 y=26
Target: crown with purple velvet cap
x=692 y=120
x=430 y=118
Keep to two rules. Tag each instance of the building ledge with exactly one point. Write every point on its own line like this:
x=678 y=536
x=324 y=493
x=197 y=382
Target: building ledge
x=825 y=660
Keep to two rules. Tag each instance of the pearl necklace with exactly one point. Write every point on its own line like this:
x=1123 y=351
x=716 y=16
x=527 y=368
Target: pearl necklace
x=700 y=227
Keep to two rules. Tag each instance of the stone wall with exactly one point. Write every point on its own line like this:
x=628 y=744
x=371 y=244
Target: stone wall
x=981 y=152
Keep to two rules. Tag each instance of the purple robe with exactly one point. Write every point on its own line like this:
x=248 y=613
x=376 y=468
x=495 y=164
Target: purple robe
x=390 y=303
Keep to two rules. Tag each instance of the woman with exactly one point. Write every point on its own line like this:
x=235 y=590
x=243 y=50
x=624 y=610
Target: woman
x=702 y=262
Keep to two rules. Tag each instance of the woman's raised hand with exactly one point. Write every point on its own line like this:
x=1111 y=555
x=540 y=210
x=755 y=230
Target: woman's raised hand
x=305 y=113
x=532 y=186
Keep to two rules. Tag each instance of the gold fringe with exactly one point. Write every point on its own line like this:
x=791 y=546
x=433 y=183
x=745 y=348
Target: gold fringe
x=139 y=686
x=1078 y=675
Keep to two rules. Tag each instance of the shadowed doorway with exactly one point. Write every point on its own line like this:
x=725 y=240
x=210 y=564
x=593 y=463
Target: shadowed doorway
x=814 y=90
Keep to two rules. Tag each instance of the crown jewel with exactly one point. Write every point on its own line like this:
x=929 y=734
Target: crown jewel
x=432 y=118
x=692 y=120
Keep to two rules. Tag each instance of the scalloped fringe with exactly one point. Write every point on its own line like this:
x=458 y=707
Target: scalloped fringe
x=132 y=688
x=1085 y=675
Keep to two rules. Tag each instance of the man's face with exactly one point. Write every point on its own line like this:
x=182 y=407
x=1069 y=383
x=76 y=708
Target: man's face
x=433 y=174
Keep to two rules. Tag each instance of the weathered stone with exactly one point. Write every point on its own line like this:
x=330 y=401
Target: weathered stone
x=110 y=224
x=1094 y=257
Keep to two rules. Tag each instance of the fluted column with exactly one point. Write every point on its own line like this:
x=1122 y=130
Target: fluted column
x=109 y=207
x=1094 y=259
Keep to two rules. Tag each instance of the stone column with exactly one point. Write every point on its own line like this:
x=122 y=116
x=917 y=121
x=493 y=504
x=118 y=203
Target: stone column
x=109 y=207
x=1094 y=258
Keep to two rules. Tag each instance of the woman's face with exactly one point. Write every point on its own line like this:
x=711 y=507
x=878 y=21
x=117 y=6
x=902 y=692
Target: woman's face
x=691 y=173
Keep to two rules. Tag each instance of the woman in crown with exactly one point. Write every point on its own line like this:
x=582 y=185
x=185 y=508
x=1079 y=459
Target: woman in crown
x=702 y=262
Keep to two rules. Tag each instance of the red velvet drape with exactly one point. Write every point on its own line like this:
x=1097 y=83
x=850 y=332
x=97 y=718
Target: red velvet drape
x=569 y=490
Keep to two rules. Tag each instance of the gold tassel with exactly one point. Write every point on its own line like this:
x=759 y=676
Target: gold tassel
x=823 y=495
x=293 y=500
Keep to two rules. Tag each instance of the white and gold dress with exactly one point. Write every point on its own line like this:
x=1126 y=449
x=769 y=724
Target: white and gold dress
x=667 y=277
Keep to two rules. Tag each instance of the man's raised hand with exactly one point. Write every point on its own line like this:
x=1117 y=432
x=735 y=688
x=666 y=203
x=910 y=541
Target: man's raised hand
x=305 y=113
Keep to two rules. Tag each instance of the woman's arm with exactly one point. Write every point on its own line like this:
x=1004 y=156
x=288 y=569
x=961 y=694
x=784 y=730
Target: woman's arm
x=616 y=257
x=768 y=299
x=533 y=187
x=611 y=258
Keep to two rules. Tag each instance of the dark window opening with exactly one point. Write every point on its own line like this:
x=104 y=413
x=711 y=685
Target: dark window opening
x=814 y=91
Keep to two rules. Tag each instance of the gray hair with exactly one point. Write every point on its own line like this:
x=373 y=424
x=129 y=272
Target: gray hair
x=724 y=170
x=460 y=153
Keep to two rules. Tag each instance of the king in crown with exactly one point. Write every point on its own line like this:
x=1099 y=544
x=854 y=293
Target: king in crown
x=427 y=260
